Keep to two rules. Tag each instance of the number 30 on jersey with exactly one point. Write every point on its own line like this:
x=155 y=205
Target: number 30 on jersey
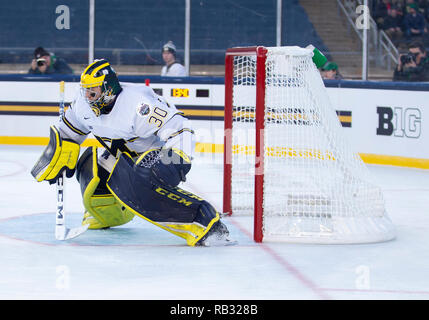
x=157 y=117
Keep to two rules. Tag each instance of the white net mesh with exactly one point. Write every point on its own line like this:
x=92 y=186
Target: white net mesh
x=315 y=188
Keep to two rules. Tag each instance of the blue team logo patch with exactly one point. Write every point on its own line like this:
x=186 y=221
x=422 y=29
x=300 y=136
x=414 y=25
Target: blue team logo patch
x=143 y=109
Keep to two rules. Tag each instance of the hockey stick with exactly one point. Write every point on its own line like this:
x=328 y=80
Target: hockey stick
x=61 y=232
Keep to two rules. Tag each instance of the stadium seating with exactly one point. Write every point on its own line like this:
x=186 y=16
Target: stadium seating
x=132 y=32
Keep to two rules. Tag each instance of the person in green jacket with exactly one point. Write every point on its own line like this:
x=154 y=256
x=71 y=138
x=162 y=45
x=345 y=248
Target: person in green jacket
x=45 y=62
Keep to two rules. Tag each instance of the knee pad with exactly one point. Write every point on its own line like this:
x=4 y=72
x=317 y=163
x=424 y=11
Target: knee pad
x=102 y=208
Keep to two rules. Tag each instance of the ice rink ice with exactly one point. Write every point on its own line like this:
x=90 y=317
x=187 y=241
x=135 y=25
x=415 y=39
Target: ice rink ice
x=141 y=261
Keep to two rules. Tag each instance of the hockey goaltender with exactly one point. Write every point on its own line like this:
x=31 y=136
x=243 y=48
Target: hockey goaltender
x=147 y=152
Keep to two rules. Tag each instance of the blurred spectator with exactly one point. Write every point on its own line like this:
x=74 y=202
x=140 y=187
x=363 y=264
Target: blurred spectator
x=413 y=65
x=392 y=24
x=172 y=68
x=381 y=11
x=47 y=63
x=414 y=22
x=424 y=8
x=412 y=2
x=330 y=71
x=400 y=8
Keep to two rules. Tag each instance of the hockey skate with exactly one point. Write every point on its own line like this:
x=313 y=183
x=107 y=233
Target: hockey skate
x=218 y=235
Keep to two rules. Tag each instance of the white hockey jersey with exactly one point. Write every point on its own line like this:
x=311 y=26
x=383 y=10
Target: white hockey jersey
x=139 y=121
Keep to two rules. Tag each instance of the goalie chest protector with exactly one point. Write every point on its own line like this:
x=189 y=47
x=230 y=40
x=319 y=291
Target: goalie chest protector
x=132 y=126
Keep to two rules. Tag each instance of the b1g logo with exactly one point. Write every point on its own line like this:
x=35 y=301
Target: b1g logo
x=399 y=122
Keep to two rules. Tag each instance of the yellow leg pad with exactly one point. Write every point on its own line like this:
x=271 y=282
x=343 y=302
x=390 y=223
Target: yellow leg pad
x=191 y=232
x=105 y=211
x=93 y=222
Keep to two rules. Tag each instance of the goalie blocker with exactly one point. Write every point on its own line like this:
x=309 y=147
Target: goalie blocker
x=59 y=155
x=132 y=189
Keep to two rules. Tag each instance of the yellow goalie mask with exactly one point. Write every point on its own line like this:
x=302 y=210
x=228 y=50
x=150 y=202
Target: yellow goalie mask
x=100 y=86
x=59 y=155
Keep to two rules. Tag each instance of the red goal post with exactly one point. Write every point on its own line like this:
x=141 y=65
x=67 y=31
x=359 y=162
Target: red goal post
x=260 y=54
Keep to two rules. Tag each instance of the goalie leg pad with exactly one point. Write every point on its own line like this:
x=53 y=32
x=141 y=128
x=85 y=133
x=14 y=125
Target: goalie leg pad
x=103 y=210
x=106 y=212
x=59 y=155
x=170 y=208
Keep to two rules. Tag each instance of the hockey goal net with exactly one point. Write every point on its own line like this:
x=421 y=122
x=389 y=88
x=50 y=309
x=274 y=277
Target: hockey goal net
x=286 y=161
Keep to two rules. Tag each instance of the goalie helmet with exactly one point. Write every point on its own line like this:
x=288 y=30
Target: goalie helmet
x=100 y=74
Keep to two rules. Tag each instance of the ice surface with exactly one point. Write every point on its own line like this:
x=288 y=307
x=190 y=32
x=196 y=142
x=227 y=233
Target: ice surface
x=141 y=261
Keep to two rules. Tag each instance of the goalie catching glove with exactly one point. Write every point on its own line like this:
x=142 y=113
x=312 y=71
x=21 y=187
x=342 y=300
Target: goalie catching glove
x=59 y=155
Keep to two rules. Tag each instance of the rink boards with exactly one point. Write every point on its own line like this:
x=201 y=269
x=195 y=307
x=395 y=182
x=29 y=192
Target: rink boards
x=384 y=121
